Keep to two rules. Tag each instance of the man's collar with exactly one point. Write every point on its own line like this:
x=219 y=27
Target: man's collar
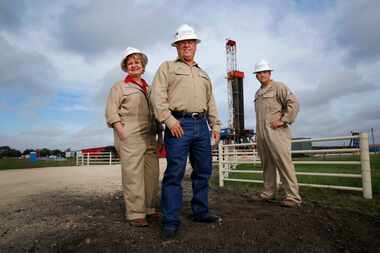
x=267 y=86
x=180 y=60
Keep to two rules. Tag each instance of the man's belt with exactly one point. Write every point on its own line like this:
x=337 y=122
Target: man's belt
x=194 y=115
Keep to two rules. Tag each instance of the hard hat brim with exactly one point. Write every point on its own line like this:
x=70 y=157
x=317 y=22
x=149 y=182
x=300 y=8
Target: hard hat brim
x=174 y=44
x=255 y=72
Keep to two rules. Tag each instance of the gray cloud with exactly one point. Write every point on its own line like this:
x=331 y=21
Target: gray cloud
x=338 y=118
x=100 y=26
x=89 y=136
x=49 y=137
x=367 y=112
x=111 y=77
x=334 y=86
x=11 y=14
x=53 y=137
x=25 y=79
x=24 y=69
x=356 y=28
x=51 y=132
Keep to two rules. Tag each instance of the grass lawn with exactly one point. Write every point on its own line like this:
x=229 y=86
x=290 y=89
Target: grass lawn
x=13 y=163
x=329 y=197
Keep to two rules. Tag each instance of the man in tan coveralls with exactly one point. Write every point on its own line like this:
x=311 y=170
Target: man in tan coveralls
x=129 y=113
x=276 y=108
x=182 y=98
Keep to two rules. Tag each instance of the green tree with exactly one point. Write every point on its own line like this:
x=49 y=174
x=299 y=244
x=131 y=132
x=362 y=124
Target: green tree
x=44 y=152
x=27 y=151
x=6 y=151
x=57 y=152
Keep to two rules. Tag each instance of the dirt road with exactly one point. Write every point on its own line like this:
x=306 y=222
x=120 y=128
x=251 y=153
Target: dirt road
x=80 y=209
x=19 y=184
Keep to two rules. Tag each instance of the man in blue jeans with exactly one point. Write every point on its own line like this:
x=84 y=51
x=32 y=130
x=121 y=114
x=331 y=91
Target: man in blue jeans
x=182 y=98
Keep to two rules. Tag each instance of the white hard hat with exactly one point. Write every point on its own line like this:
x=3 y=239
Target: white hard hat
x=128 y=52
x=185 y=32
x=262 y=65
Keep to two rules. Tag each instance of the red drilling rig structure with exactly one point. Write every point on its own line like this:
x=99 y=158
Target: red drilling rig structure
x=235 y=95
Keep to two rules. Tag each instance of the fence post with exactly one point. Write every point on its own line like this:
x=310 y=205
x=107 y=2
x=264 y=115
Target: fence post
x=228 y=158
x=234 y=165
x=88 y=159
x=76 y=158
x=221 y=170
x=110 y=158
x=365 y=166
x=82 y=159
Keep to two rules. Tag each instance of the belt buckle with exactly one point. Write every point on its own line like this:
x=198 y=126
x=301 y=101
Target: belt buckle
x=195 y=115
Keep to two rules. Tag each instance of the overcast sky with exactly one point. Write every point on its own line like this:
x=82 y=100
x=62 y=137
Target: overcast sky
x=60 y=58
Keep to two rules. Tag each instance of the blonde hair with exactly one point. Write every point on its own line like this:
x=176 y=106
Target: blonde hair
x=141 y=57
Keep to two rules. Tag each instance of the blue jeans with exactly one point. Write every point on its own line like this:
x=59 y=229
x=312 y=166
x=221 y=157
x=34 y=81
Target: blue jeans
x=196 y=143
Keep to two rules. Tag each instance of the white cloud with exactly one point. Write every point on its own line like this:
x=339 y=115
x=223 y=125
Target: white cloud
x=75 y=108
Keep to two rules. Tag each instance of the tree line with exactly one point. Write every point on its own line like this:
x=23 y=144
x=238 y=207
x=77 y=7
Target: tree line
x=6 y=151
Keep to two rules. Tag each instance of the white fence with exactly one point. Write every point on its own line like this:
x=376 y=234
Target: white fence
x=96 y=158
x=231 y=155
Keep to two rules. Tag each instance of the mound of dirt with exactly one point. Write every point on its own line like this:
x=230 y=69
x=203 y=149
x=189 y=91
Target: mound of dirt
x=65 y=221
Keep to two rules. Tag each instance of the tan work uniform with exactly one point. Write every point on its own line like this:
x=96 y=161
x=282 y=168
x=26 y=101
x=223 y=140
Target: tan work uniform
x=128 y=103
x=276 y=101
x=181 y=87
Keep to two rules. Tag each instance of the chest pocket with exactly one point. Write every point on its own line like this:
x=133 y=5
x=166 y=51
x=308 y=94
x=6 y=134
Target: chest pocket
x=130 y=96
x=268 y=95
x=271 y=103
x=127 y=91
x=134 y=102
x=181 y=76
x=265 y=102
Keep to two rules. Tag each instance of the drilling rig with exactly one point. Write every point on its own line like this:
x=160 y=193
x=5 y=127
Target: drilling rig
x=235 y=94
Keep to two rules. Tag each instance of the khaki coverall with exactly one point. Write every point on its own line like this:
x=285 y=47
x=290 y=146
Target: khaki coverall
x=276 y=101
x=128 y=103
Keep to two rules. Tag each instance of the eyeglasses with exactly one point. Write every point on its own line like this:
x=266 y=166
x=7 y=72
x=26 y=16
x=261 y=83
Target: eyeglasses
x=186 y=42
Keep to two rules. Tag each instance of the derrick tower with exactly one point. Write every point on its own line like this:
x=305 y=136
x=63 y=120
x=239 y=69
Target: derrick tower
x=235 y=91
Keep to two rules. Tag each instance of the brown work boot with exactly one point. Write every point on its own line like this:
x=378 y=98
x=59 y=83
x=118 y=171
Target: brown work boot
x=141 y=222
x=259 y=196
x=288 y=202
x=154 y=216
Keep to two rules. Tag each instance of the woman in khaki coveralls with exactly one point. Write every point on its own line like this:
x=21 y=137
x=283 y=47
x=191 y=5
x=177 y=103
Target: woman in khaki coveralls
x=129 y=113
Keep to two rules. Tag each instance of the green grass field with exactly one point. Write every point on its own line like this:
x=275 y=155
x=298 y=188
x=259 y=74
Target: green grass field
x=336 y=198
x=9 y=163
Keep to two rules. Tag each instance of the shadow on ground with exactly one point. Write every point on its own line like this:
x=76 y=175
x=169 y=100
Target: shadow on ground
x=70 y=222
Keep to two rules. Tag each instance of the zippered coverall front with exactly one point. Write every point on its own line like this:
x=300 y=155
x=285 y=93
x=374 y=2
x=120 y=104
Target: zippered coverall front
x=128 y=103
